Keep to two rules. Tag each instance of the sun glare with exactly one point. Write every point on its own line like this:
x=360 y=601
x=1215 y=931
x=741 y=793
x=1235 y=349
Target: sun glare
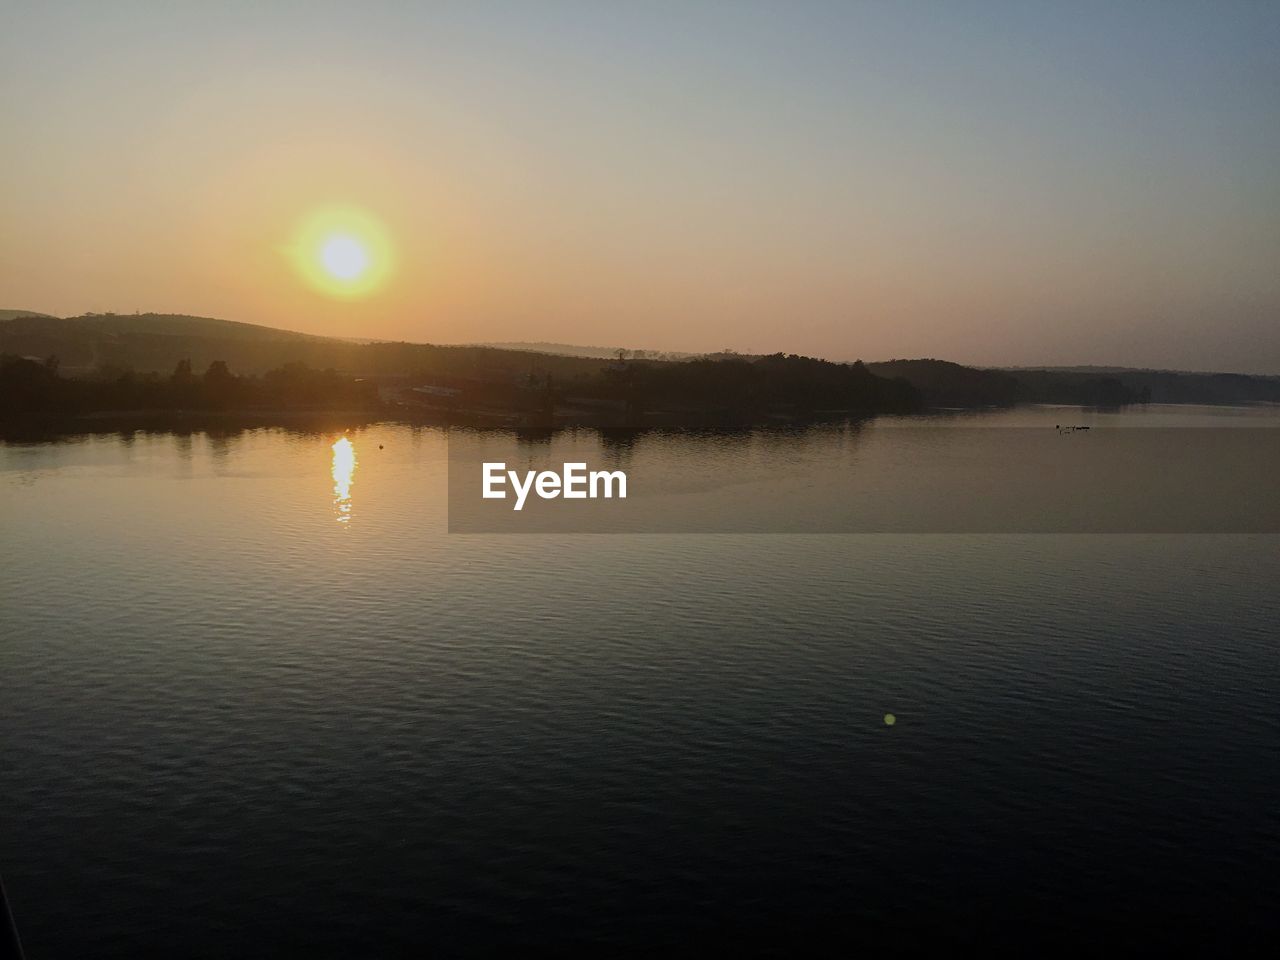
x=343 y=252
x=344 y=257
x=343 y=472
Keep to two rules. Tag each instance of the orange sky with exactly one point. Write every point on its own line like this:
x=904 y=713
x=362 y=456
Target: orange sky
x=1011 y=188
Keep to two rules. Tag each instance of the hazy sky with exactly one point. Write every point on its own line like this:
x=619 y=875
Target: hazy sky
x=995 y=183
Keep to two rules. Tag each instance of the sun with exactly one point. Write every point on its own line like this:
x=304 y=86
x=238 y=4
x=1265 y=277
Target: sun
x=343 y=251
x=344 y=257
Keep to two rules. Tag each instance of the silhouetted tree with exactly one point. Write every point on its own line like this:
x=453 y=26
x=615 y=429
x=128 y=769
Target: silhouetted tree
x=218 y=373
x=219 y=385
x=28 y=388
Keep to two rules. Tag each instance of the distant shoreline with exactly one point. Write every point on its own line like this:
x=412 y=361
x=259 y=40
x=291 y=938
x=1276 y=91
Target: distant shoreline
x=321 y=420
x=163 y=372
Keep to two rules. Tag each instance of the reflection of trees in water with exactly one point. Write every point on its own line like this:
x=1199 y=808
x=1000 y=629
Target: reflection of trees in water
x=535 y=436
x=620 y=439
x=220 y=444
x=182 y=446
x=618 y=446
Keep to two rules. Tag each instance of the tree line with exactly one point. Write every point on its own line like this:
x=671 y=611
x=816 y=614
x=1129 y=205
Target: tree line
x=29 y=387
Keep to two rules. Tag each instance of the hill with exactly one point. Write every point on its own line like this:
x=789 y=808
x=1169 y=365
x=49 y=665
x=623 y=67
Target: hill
x=1102 y=385
x=946 y=384
x=148 y=364
x=601 y=353
x=15 y=314
x=108 y=345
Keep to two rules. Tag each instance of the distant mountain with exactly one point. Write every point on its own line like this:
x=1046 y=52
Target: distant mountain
x=109 y=344
x=14 y=314
x=166 y=324
x=97 y=345
x=1111 y=385
x=148 y=365
x=946 y=384
x=576 y=350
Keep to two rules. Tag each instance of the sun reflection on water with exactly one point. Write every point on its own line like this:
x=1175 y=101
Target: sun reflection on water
x=344 y=468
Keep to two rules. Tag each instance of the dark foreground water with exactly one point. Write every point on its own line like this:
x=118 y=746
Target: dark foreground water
x=258 y=702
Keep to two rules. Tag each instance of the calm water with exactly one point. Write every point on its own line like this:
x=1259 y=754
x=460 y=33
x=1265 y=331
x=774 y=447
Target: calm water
x=258 y=700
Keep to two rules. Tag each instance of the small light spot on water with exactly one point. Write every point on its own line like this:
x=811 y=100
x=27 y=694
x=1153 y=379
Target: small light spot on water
x=890 y=719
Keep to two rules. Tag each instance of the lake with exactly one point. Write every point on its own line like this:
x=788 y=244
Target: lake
x=259 y=700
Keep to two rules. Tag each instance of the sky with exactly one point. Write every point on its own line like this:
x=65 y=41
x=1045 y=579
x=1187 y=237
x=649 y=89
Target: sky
x=993 y=183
